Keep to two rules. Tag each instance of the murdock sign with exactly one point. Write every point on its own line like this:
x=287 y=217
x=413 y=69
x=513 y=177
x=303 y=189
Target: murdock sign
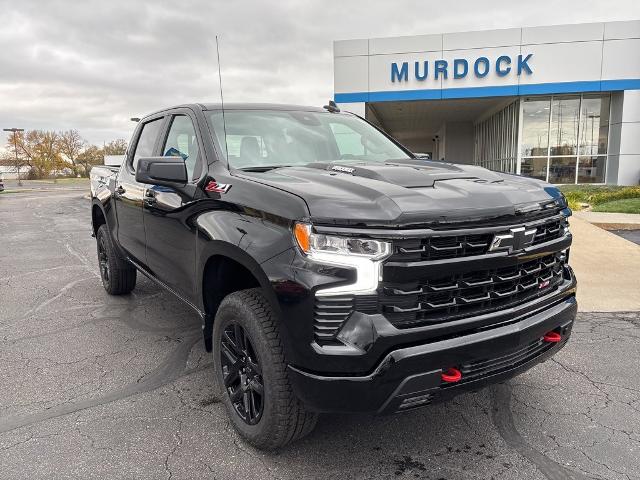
x=461 y=67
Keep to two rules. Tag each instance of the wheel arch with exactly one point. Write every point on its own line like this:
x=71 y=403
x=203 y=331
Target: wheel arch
x=98 y=217
x=226 y=268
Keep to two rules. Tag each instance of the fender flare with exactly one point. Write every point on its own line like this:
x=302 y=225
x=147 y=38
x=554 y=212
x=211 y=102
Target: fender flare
x=221 y=248
x=226 y=249
x=95 y=203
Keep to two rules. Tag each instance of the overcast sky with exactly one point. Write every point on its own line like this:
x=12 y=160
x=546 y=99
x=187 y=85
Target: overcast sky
x=91 y=65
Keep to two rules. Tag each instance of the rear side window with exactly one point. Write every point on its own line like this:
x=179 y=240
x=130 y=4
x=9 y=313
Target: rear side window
x=146 y=141
x=182 y=142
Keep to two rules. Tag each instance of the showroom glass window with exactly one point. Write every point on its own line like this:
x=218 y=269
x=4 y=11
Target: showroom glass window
x=564 y=138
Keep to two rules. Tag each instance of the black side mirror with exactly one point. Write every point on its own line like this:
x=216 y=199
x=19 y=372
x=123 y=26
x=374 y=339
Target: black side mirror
x=167 y=171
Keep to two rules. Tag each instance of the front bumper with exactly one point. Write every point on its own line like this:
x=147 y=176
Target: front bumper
x=411 y=376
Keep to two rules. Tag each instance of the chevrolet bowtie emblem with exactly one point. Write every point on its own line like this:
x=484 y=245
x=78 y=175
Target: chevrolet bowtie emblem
x=514 y=240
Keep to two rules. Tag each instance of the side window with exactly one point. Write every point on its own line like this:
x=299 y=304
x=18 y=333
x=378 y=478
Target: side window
x=146 y=141
x=349 y=142
x=182 y=142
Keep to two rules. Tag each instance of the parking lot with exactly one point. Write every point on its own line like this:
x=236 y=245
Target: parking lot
x=99 y=386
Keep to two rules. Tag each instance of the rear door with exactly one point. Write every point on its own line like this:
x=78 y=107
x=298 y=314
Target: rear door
x=170 y=233
x=129 y=194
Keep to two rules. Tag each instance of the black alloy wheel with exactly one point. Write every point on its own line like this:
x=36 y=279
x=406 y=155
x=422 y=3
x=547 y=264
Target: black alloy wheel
x=117 y=274
x=103 y=259
x=250 y=373
x=242 y=373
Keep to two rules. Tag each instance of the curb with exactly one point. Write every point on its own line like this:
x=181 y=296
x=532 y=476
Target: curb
x=617 y=226
x=611 y=221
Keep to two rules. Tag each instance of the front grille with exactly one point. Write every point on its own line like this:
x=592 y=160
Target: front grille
x=549 y=231
x=461 y=295
x=442 y=246
x=512 y=359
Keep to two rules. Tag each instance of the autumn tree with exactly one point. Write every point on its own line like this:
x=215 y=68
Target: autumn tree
x=39 y=150
x=46 y=152
x=89 y=157
x=71 y=144
x=116 y=147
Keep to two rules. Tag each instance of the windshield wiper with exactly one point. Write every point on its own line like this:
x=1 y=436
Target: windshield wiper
x=262 y=168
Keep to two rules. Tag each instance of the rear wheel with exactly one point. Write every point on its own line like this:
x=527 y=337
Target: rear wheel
x=118 y=276
x=251 y=373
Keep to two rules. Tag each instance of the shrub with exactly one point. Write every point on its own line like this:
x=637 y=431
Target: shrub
x=597 y=194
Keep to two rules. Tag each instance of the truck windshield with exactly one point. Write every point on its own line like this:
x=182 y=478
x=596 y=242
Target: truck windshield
x=266 y=139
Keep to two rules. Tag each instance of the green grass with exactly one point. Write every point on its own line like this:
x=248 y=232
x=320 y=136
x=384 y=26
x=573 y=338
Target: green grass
x=627 y=205
x=596 y=195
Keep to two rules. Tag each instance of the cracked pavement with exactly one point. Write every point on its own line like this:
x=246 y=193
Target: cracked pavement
x=120 y=387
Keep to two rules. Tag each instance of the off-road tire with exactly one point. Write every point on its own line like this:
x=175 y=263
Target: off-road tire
x=120 y=275
x=284 y=418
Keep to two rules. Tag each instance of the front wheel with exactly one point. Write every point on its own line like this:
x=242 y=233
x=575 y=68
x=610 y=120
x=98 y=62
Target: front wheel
x=251 y=373
x=118 y=276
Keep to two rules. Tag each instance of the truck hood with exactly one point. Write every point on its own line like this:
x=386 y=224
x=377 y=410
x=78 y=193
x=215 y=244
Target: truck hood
x=406 y=192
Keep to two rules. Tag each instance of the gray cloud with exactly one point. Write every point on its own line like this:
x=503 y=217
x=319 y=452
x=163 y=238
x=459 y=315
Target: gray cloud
x=91 y=65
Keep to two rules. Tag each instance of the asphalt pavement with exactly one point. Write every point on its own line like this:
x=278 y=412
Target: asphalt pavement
x=631 y=235
x=94 y=386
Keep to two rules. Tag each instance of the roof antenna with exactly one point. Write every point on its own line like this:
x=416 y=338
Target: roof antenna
x=332 y=107
x=224 y=121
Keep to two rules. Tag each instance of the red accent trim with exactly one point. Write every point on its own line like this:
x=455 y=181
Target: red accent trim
x=214 y=187
x=451 y=375
x=552 y=337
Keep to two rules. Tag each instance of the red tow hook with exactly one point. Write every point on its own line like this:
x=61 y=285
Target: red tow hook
x=552 y=337
x=451 y=375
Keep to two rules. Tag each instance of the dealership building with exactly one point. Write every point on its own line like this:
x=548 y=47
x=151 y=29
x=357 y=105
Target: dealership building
x=559 y=103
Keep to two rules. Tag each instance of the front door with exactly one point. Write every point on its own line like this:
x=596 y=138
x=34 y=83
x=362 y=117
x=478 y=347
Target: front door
x=129 y=194
x=170 y=234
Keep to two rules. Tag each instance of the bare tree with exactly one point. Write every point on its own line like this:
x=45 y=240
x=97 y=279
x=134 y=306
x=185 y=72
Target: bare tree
x=70 y=144
x=13 y=157
x=116 y=147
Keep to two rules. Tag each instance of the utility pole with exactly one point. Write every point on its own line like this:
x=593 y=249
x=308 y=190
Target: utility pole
x=15 y=148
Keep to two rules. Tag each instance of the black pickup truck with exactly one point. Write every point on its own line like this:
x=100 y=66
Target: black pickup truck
x=334 y=271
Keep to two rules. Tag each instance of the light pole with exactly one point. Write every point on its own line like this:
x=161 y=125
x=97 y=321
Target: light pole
x=15 y=147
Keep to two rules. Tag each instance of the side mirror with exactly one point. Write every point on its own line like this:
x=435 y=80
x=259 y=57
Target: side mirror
x=167 y=171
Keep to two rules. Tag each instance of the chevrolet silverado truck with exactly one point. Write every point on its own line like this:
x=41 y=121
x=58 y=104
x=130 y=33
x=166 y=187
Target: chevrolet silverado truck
x=334 y=270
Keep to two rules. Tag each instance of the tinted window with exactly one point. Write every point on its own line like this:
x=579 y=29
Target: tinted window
x=146 y=141
x=182 y=142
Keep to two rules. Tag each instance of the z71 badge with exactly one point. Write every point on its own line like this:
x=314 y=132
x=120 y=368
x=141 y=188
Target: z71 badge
x=217 y=187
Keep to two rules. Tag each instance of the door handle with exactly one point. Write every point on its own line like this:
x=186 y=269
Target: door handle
x=150 y=197
x=120 y=190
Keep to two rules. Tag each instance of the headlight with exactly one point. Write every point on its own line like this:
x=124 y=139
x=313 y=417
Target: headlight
x=312 y=243
x=364 y=255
